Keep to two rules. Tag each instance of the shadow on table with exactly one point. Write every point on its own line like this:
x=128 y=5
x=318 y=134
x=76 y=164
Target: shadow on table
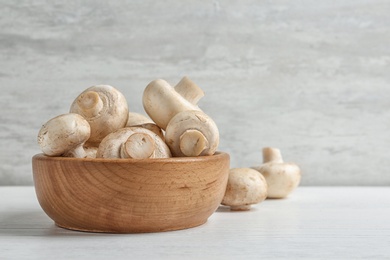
x=226 y=209
x=34 y=223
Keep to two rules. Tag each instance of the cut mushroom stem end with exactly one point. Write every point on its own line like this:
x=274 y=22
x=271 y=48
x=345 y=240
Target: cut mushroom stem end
x=193 y=142
x=192 y=133
x=91 y=102
x=272 y=155
x=137 y=146
x=189 y=90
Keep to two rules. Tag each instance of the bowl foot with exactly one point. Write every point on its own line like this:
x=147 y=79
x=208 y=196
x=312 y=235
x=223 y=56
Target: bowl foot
x=130 y=230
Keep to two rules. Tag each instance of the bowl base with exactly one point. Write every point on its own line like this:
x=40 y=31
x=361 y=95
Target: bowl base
x=130 y=195
x=151 y=230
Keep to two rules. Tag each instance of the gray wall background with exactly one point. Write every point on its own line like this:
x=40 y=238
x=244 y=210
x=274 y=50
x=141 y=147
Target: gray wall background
x=309 y=77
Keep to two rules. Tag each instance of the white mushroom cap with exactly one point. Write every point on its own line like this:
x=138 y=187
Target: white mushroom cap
x=245 y=187
x=192 y=133
x=139 y=120
x=105 y=109
x=282 y=178
x=64 y=135
x=162 y=102
x=133 y=142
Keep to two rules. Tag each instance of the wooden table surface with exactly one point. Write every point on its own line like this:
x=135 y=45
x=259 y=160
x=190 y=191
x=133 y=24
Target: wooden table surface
x=313 y=223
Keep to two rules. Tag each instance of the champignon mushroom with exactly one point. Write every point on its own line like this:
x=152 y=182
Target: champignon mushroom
x=139 y=120
x=105 y=109
x=192 y=133
x=161 y=149
x=162 y=102
x=282 y=178
x=245 y=187
x=90 y=151
x=133 y=142
x=64 y=135
x=189 y=90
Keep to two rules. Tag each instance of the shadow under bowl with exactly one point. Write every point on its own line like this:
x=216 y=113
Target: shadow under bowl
x=130 y=195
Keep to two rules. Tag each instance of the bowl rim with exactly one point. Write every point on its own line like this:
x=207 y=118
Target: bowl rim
x=217 y=155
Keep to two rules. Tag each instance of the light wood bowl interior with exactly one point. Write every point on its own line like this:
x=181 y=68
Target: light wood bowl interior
x=130 y=195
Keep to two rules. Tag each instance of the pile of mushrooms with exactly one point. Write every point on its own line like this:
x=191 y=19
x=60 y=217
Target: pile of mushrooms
x=99 y=125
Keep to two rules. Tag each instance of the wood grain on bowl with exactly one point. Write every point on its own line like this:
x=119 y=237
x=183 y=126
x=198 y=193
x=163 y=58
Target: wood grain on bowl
x=130 y=195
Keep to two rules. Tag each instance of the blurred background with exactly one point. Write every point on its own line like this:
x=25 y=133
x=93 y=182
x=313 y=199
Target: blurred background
x=311 y=78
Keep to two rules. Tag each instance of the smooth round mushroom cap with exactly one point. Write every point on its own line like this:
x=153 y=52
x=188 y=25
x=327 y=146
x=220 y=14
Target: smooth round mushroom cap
x=192 y=133
x=162 y=102
x=64 y=135
x=245 y=187
x=105 y=109
x=282 y=178
x=139 y=120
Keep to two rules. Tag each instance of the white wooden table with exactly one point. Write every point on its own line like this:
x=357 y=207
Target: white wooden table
x=314 y=223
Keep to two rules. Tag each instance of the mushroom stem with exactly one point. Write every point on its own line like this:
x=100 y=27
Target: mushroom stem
x=189 y=90
x=193 y=142
x=240 y=208
x=137 y=146
x=91 y=102
x=90 y=151
x=272 y=155
x=77 y=152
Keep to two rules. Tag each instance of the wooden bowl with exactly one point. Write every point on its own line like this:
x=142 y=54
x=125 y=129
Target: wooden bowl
x=130 y=195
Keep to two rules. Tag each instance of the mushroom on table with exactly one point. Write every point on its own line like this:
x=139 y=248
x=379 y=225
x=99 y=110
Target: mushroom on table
x=282 y=178
x=245 y=187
